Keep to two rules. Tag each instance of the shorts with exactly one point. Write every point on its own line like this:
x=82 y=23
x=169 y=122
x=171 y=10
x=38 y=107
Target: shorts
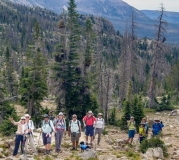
x=90 y=131
x=131 y=133
x=46 y=139
x=74 y=137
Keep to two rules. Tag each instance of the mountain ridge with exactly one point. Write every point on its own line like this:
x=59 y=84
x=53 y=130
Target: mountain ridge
x=117 y=11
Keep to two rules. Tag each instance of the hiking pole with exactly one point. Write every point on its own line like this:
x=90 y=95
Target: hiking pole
x=39 y=138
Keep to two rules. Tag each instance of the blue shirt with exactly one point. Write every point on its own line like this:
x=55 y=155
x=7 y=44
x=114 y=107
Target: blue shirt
x=47 y=127
x=83 y=146
x=157 y=127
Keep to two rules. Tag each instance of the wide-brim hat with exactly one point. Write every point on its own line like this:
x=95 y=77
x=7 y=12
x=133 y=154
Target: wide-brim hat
x=131 y=117
x=142 y=124
x=27 y=115
x=23 y=118
x=60 y=114
x=45 y=115
x=90 y=112
x=100 y=114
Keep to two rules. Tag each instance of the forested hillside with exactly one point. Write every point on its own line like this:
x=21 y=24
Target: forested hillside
x=80 y=60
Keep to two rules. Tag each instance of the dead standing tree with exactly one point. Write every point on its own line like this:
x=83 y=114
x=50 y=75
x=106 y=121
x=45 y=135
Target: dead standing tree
x=160 y=38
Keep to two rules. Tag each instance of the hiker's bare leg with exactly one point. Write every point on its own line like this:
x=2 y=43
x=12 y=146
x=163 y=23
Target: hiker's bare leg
x=48 y=147
x=76 y=145
x=131 y=140
x=91 y=139
x=86 y=139
x=73 y=144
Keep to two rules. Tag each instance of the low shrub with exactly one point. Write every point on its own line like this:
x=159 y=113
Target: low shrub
x=153 y=143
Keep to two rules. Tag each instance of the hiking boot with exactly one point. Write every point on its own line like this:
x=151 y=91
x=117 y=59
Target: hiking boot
x=16 y=156
x=46 y=152
x=72 y=149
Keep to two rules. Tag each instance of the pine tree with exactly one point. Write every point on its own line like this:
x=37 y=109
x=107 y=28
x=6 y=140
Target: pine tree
x=137 y=110
x=33 y=82
x=126 y=115
x=9 y=74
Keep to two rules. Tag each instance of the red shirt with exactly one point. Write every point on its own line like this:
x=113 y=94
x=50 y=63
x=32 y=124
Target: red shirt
x=89 y=121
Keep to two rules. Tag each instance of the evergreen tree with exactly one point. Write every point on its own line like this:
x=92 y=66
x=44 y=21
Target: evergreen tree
x=137 y=110
x=9 y=75
x=33 y=82
x=126 y=115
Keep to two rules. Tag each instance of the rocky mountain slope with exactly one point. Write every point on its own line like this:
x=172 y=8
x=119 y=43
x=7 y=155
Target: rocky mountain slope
x=117 y=11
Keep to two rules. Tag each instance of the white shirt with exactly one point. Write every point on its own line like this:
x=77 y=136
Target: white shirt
x=99 y=123
x=74 y=126
x=30 y=125
x=23 y=128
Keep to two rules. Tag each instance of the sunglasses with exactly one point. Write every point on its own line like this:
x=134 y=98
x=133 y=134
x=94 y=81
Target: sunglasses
x=26 y=117
x=23 y=119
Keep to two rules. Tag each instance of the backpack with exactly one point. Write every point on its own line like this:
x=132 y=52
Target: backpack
x=78 y=122
x=99 y=120
x=58 y=121
x=43 y=122
x=89 y=118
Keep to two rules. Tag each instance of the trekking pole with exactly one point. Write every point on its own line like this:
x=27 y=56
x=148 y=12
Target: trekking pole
x=39 y=138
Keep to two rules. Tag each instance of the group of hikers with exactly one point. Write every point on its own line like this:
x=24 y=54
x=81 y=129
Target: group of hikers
x=24 y=134
x=143 y=129
x=93 y=126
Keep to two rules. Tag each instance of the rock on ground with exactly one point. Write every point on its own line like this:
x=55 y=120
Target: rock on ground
x=88 y=154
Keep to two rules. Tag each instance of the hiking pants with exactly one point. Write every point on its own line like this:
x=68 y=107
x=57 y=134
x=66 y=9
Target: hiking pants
x=18 y=140
x=58 y=139
x=99 y=132
x=30 y=141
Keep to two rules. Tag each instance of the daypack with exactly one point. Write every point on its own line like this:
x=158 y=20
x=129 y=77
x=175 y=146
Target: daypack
x=78 y=123
x=58 y=121
x=147 y=128
x=89 y=118
x=99 y=120
x=43 y=122
x=130 y=124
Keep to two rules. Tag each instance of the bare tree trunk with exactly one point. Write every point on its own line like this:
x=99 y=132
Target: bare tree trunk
x=107 y=96
x=159 y=35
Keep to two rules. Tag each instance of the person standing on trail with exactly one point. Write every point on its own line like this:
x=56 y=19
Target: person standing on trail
x=157 y=127
x=30 y=137
x=89 y=122
x=21 y=130
x=60 y=127
x=99 y=127
x=144 y=121
x=142 y=132
x=47 y=129
x=74 y=131
x=132 y=128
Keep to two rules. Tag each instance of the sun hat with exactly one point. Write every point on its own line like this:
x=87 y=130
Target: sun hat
x=90 y=112
x=100 y=114
x=23 y=118
x=45 y=115
x=142 y=123
x=27 y=115
x=132 y=117
x=74 y=115
x=60 y=114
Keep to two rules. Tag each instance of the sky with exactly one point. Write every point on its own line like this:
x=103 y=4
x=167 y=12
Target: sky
x=170 y=5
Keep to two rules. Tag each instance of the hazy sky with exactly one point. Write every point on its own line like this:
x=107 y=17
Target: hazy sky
x=170 y=5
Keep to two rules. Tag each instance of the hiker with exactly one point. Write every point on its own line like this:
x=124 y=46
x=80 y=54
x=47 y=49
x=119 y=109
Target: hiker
x=51 y=117
x=157 y=127
x=99 y=127
x=47 y=129
x=142 y=132
x=30 y=137
x=21 y=130
x=60 y=127
x=144 y=120
x=74 y=130
x=89 y=123
x=132 y=129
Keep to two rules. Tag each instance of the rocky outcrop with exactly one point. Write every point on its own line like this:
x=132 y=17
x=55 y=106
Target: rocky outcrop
x=153 y=153
x=88 y=154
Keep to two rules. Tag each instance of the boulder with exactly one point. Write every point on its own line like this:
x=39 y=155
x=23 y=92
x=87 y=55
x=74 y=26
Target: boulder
x=173 y=113
x=105 y=157
x=88 y=154
x=158 y=153
x=155 y=153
